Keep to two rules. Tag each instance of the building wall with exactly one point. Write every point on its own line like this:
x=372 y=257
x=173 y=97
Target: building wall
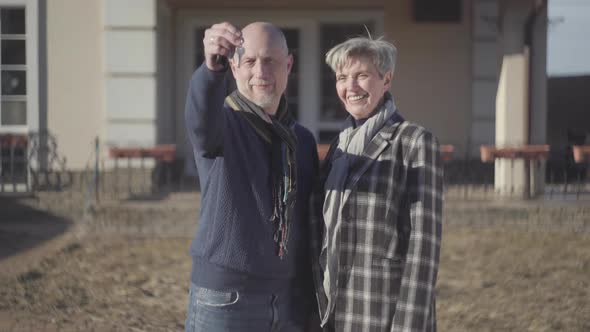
x=486 y=61
x=130 y=72
x=165 y=118
x=74 y=77
x=432 y=82
x=538 y=81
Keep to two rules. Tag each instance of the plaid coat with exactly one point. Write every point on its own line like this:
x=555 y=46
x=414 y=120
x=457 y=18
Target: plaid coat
x=390 y=235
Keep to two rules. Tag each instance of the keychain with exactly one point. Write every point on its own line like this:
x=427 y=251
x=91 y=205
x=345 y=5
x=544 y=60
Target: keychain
x=240 y=50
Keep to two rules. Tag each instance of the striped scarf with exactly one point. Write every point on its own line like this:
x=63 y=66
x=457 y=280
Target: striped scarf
x=281 y=136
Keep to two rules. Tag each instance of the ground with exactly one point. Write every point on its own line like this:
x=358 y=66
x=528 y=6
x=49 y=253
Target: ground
x=123 y=271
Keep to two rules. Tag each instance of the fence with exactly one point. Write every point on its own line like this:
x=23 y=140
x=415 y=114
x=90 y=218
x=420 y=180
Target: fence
x=569 y=176
x=30 y=163
x=13 y=163
x=159 y=179
x=565 y=174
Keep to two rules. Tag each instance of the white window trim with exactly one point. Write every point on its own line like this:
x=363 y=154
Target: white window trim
x=32 y=66
x=306 y=21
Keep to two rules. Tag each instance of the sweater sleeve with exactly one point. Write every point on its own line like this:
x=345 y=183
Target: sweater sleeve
x=204 y=117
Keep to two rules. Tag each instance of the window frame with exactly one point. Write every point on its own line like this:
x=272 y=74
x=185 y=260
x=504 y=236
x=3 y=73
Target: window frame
x=31 y=67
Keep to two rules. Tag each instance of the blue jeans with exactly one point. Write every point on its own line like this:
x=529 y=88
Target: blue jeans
x=216 y=311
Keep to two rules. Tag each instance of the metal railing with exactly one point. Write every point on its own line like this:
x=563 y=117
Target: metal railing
x=14 y=163
x=568 y=173
x=47 y=168
x=564 y=174
x=31 y=162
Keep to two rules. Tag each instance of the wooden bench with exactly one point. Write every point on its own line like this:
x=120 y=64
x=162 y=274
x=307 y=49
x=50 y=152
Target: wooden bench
x=489 y=153
x=531 y=154
x=447 y=152
x=165 y=153
x=581 y=153
x=13 y=141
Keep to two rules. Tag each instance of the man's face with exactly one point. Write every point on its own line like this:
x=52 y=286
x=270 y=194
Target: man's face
x=360 y=87
x=263 y=71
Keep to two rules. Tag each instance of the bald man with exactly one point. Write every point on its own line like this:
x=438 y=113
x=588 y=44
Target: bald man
x=251 y=268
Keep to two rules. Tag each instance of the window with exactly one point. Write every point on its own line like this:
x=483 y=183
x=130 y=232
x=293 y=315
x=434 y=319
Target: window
x=13 y=67
x=438 y=11
x=18 y=89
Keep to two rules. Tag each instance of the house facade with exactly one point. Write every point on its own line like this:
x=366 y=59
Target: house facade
x=472 y=71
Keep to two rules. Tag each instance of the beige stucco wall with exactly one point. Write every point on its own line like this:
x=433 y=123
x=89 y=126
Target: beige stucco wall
x=432 y=82
x=74 y=77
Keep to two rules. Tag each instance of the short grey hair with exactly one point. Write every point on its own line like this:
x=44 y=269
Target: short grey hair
x=381 y=52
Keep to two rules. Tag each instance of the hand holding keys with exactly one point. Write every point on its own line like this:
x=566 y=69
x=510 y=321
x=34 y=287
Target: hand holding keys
x=220 y=41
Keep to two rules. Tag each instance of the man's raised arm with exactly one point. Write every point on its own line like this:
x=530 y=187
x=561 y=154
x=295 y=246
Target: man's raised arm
x=207 y=90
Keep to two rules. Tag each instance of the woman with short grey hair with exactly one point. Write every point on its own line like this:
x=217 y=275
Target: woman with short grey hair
x=377 y=222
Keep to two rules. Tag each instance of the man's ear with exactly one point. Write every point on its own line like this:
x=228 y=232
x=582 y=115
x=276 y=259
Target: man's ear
x=289 y=63
x=233 y=67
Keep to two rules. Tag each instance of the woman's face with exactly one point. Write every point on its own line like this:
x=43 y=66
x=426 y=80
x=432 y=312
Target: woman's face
x=360 y=87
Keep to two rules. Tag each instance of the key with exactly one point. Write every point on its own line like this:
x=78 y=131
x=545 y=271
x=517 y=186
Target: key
x=240 y=50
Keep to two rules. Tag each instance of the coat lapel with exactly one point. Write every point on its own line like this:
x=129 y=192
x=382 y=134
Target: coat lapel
x=370 y=154
x=372 y=151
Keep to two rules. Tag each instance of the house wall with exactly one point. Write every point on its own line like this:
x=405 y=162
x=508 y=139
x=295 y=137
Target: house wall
x=432 y=82
x=74 y=77
x=130 y=38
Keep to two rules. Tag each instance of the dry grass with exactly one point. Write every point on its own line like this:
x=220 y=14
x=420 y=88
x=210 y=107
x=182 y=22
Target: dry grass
x=493 y=278
x=103 y=285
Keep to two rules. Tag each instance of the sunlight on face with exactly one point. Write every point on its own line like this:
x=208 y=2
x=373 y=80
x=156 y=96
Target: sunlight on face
x=264 y=69
x=360 y=87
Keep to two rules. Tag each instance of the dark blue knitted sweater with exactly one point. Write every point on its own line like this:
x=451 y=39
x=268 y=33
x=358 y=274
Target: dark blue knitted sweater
x=234 y=247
